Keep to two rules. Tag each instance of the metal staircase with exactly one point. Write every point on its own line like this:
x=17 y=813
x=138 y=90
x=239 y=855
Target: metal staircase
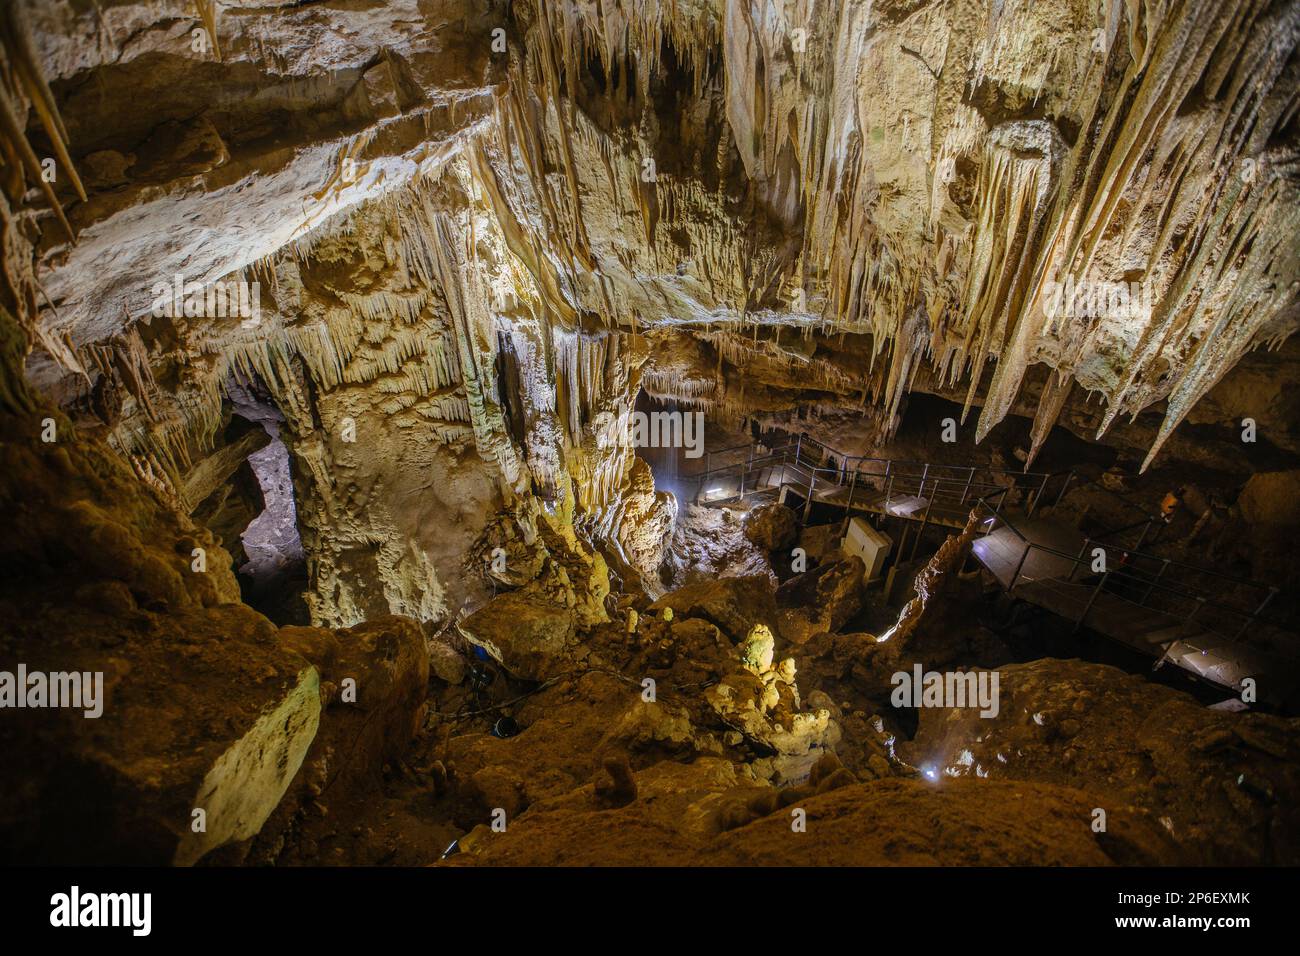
x=1208 y=623
x=926 y=492
x=1211 y=624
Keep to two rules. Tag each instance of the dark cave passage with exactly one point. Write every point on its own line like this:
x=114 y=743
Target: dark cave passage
x=274 y=577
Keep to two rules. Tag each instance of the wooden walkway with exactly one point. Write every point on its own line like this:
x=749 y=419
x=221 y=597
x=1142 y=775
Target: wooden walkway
x=860 y=500
x=1035 y=569
x=1039 y=561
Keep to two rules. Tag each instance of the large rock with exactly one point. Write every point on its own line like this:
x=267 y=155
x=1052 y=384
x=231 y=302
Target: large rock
x=1226 y=786
x=386 y=661
x=527 y=635
x=734 y=605
x=1271 y=500
x=772 y=527
x=823 y=599
x=374 y=686
x=246 y=783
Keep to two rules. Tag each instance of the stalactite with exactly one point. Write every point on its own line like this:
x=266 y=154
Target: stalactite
x=1050 y=403
x=25 y=77
x=560 y=231
x=208 y=13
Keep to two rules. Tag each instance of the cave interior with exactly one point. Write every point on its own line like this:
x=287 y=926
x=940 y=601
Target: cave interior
x=650 y=432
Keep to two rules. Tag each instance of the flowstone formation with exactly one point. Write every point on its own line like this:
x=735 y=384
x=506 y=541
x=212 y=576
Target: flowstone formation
x=330 y=330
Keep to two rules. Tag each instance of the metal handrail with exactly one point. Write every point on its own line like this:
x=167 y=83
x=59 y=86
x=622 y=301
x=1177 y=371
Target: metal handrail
x=990 y=495
x=1155 y=583
x=958 y=485
x=936 y=488
x=894 y=464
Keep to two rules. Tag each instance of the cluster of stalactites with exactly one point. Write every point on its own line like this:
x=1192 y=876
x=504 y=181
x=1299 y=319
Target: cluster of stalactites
x=411 y=343
x=1200 y=189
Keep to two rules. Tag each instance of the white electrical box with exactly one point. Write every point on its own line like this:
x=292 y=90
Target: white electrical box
x=870 y=545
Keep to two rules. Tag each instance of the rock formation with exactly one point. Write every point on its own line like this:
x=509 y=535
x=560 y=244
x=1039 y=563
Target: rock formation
x=333 y=334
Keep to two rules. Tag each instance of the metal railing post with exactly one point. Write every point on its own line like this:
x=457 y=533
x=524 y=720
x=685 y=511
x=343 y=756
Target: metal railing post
x=1091 y=599
x=1038 y=496
x=812 y=485
x=969 y=479
x=1143 y=536
x=1074 y=568
x=1019 y=567
x=1151 y=586
x=1255 y=613
x=925 y=521
x=1064 y=485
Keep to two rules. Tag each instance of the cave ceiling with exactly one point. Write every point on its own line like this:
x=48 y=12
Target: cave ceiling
x=743 y=207
x=843 y=199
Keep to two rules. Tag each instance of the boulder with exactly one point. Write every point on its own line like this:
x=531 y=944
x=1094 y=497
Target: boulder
x=525 y=633
x=373 y=687
x=446 y=663
x=772 y=527
x=821 y=542
x=1271 y=500
x=827 y=597
x=245 y=784
x=734 y=605
x=388 y=659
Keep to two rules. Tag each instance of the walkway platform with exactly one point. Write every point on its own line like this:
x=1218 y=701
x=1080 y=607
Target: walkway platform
x=1194 y=618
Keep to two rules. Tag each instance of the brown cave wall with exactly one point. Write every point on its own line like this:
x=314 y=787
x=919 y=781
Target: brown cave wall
x=206 y=704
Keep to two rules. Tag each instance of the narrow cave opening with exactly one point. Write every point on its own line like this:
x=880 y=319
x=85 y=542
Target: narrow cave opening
x=667 y=461
x=273 y=579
